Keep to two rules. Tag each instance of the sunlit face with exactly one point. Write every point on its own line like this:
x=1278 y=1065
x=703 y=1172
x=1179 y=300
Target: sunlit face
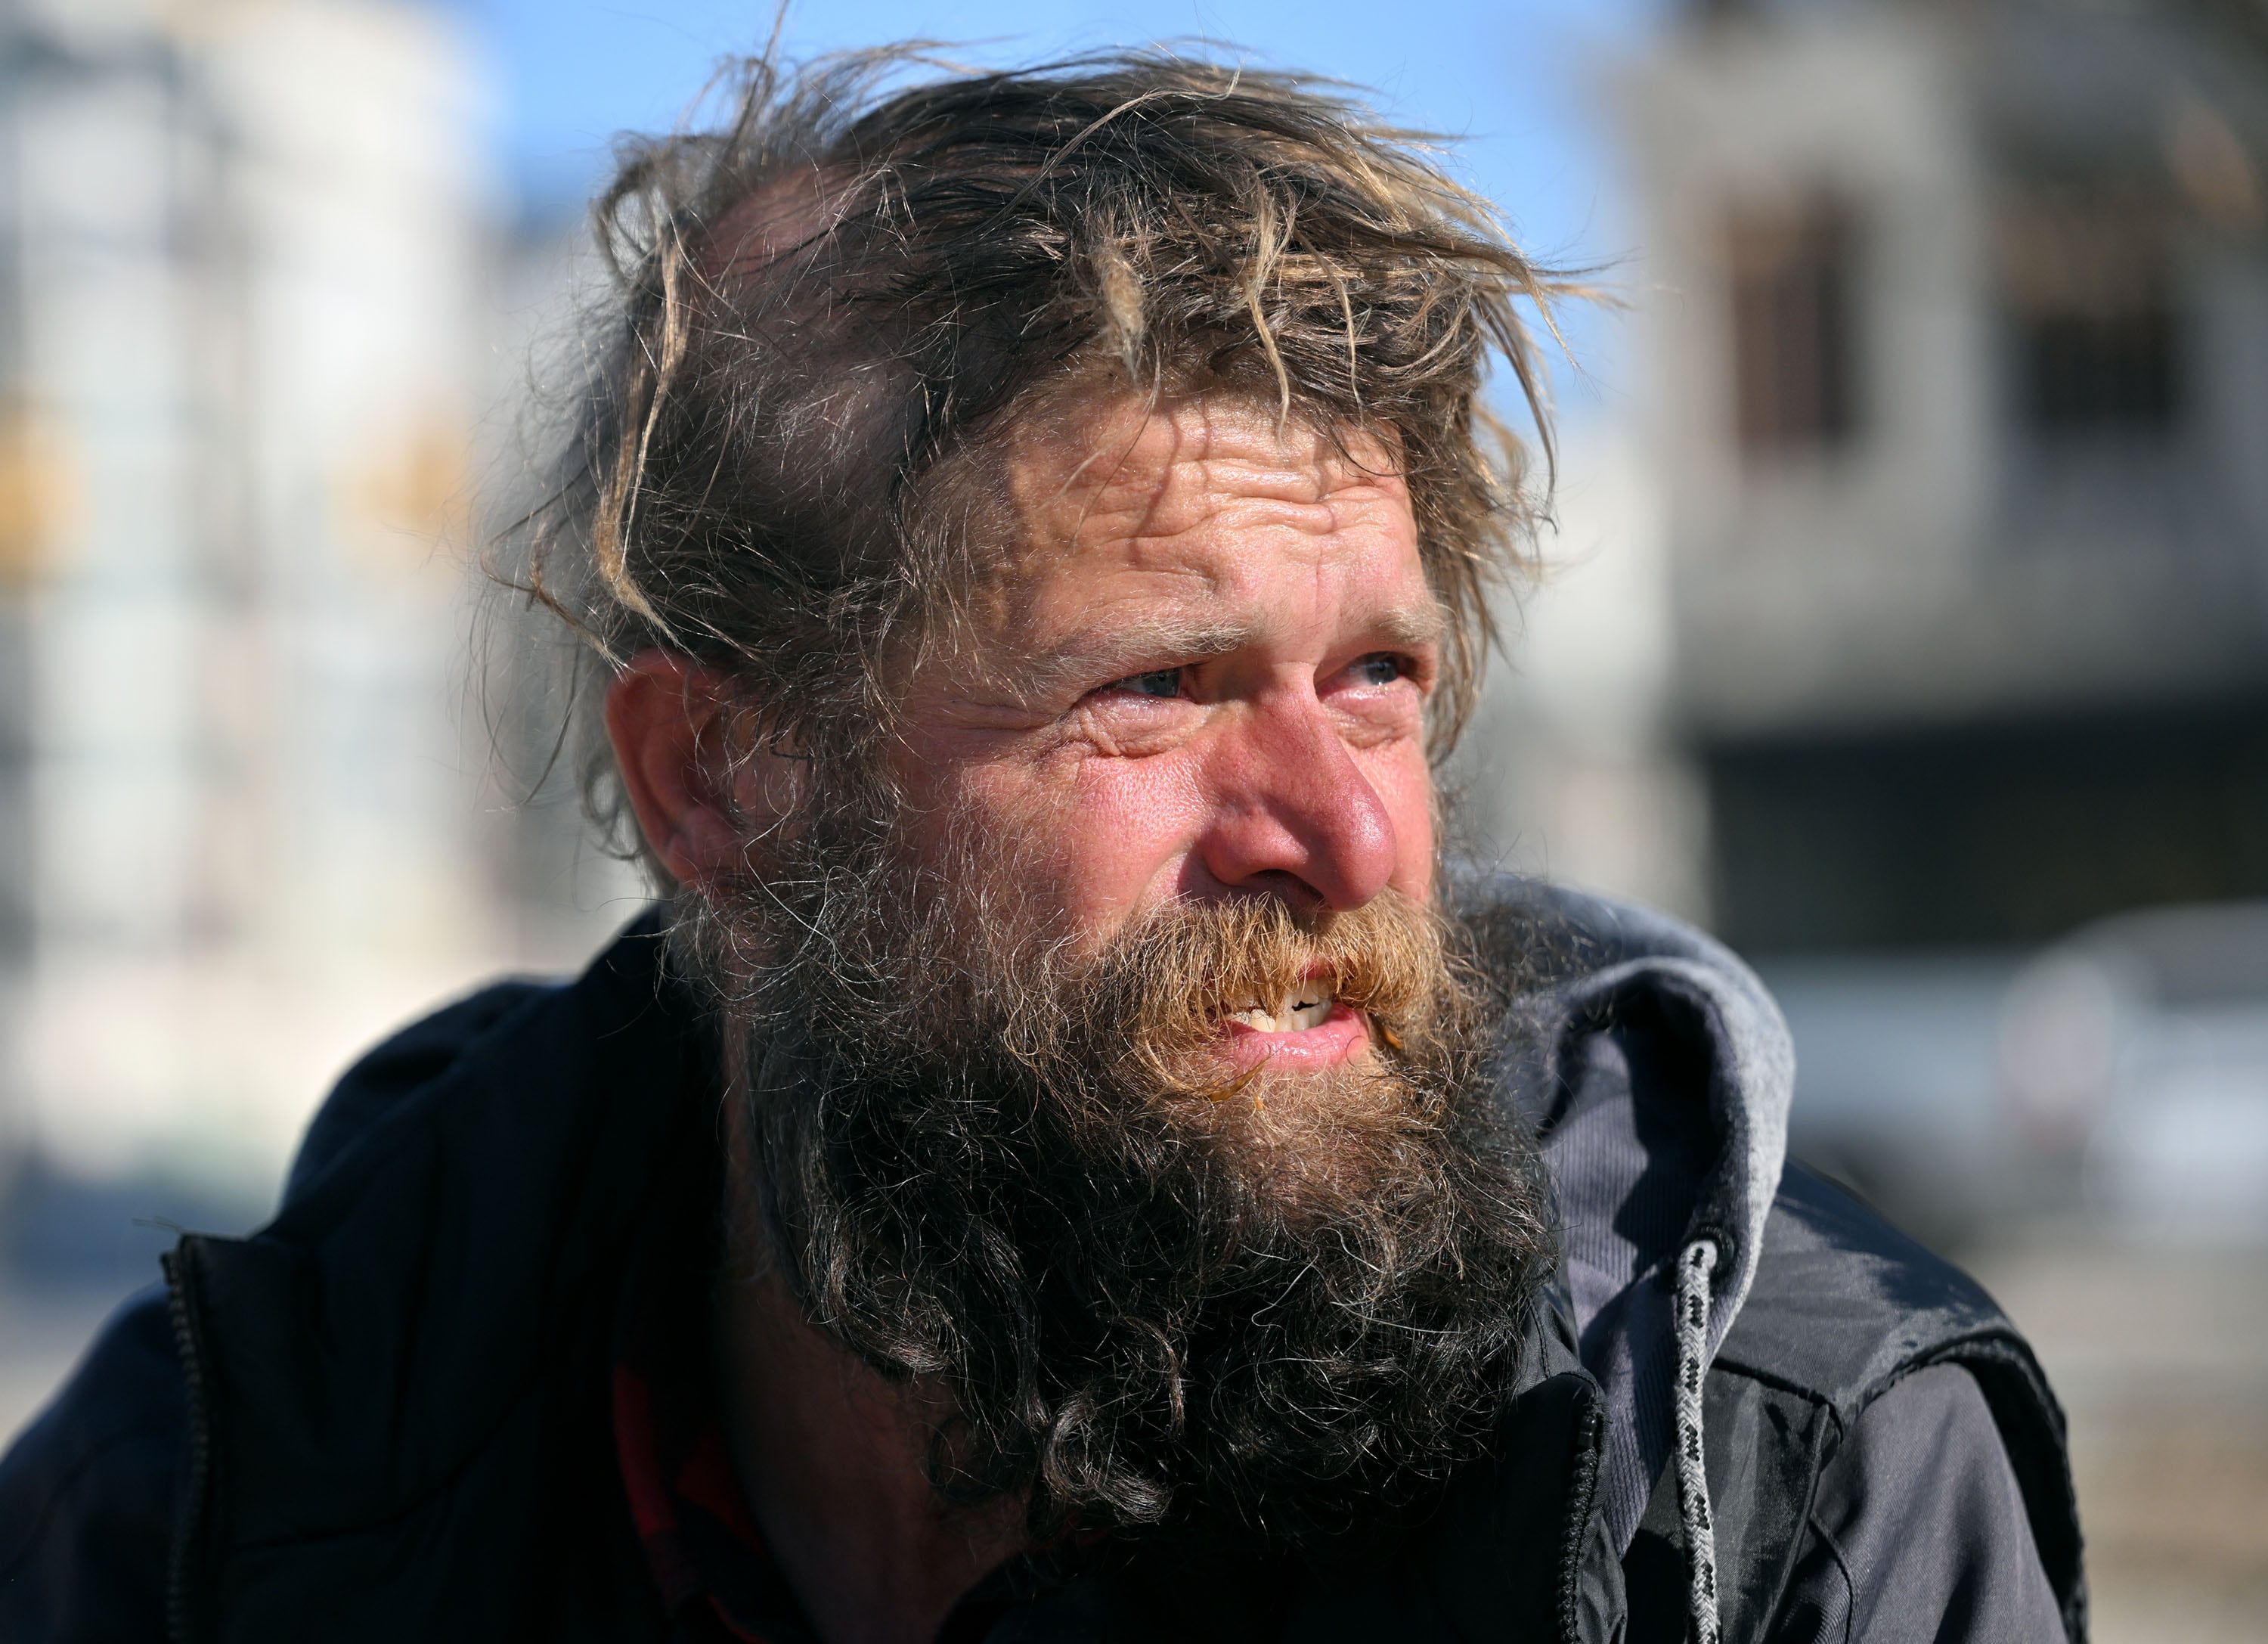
x=1205 y=677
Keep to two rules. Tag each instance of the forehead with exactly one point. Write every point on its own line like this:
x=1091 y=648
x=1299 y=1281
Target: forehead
x=1114 y=501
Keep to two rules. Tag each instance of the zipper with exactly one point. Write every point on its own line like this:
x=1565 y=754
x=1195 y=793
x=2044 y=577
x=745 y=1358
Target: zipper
x=1582 y=1502
x=189 y=1526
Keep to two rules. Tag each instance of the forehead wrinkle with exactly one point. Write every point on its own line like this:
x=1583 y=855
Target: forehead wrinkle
x=1100 y=487
x=1190 y=491
x=1176 y=467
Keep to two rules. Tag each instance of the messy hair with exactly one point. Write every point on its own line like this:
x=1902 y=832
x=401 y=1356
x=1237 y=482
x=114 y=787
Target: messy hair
x=844 y=296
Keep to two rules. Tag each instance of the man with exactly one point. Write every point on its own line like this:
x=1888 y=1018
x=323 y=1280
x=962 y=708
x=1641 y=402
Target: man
x=1064 y=1160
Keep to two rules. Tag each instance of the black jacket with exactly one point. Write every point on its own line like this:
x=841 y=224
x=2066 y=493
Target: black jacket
x=385 y=1416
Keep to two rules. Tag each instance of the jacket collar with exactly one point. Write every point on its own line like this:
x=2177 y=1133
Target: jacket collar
x=1658 y=1073
x=412 y=1328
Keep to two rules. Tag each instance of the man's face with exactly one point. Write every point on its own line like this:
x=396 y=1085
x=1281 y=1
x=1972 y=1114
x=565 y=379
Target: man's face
x=1126 y=1084
x=1199 y=675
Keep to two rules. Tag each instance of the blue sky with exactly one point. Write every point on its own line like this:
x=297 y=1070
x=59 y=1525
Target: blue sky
x=1518 y=81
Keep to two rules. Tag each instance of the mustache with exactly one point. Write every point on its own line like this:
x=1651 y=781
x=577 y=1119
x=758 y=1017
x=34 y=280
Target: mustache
x=1164 y=987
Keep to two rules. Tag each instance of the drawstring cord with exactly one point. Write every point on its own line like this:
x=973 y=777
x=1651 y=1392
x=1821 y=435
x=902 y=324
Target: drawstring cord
x=1697 y=1262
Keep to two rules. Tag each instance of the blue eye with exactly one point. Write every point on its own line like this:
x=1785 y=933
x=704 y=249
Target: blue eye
x=1163 y=682
x=1380 y=668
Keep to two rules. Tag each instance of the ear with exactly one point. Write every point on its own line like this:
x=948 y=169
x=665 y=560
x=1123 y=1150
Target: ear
x=668 y=718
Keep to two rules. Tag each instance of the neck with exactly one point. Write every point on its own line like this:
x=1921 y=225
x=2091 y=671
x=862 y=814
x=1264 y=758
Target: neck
x=831 y=1458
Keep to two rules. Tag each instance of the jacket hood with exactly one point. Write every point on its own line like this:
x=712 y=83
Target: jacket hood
x=1657 y=1071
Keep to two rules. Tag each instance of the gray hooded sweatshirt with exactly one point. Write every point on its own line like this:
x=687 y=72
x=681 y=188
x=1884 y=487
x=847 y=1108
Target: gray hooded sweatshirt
x=1660 y=1074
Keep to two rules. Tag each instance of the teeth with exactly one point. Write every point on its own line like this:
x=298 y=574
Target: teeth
x=1308 y=1005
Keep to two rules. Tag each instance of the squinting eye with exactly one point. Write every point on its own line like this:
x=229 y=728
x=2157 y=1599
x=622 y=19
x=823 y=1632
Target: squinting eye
x=1382 y=667
x=1163 y=682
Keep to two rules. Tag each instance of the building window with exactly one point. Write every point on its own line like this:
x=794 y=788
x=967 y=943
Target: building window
x=1794 y=342
x=2089 y=293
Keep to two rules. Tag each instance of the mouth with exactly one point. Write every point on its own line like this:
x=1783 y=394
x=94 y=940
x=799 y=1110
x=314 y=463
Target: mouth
x=1307 y=1006
x=1308 y=1026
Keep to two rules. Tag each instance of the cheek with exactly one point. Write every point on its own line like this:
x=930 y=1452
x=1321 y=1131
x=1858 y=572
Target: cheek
x=1109 y=834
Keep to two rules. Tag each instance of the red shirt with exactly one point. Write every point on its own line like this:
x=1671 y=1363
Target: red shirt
x=718 y=1578
x=716 y=1575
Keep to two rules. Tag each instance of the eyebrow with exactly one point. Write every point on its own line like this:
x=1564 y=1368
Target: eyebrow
x=1121 y=648
x=1412 y=625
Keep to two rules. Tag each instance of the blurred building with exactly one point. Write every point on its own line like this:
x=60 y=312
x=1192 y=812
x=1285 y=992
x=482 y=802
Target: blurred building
x=1572 y=767
x=1960 y=312
x=1958 y=323
x=244 y=252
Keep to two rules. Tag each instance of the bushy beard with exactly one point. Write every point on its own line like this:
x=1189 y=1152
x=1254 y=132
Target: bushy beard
x=1157 y=1295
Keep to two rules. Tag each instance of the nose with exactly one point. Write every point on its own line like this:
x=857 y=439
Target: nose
x=1293 y=813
